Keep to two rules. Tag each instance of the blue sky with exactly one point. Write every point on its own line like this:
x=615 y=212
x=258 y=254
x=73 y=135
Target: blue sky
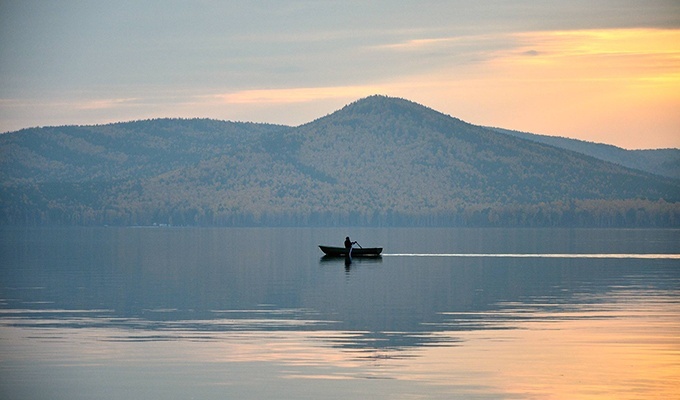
x=605 y=71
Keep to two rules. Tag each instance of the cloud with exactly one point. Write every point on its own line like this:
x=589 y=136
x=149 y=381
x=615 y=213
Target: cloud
x=297 y=95
x=603 y=41
x=616 y=86
x=421 y=44
x=102 y=104
x=626 y=56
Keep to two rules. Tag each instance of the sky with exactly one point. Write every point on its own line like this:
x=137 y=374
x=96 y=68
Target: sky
x=598 y=70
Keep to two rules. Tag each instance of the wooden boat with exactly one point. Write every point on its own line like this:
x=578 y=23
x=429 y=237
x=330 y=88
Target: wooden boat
x=356 y=251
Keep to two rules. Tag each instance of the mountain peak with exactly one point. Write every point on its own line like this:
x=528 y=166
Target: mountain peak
x=386 y=110
x=379 y=102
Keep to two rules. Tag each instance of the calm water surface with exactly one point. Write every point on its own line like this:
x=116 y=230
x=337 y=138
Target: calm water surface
x=174 y=313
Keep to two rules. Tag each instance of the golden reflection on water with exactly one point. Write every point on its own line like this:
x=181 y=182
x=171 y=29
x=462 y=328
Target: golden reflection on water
x=624 y=350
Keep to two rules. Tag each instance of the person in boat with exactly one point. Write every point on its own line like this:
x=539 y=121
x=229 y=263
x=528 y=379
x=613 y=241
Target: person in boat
x=348 y=243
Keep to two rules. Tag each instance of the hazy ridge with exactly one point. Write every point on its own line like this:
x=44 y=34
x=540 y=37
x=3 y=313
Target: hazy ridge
x=664 y=162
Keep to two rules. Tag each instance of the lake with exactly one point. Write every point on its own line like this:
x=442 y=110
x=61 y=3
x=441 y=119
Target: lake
x=198 y=313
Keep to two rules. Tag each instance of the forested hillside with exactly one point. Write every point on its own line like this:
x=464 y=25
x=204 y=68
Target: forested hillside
x=378 y=161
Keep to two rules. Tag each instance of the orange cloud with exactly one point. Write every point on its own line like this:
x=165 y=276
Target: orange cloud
x=639 y=54
x=619 y=86
x=100 y=104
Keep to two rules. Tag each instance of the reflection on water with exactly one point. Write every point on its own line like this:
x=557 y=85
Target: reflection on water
x=258 y=313
x=494 y=255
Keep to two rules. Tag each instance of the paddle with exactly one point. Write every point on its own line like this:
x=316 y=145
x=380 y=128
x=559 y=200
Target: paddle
x=357 y=243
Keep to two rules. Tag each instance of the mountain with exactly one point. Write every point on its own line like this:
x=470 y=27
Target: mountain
x=664 y=162
x=378 y=161
x=121 y=151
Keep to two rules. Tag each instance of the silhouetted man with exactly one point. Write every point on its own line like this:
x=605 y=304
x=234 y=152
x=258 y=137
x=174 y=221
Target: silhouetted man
x=348 y=247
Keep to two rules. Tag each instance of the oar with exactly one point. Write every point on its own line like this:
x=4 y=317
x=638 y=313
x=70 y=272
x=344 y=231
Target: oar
x=358 y=245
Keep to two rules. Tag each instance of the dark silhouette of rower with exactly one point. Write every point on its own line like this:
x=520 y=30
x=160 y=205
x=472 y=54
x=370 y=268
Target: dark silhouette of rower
x=348 y=243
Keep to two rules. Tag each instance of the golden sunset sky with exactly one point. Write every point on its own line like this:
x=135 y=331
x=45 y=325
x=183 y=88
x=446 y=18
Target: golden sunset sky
x=602 y=71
